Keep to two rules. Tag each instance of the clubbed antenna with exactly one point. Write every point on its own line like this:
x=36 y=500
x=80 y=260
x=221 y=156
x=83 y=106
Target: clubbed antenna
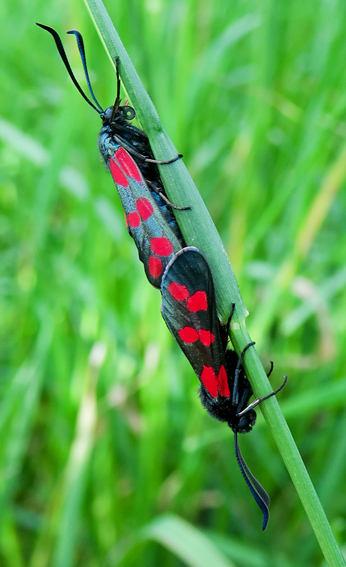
x=255 y=487
x=80 y=44
x=63 y=56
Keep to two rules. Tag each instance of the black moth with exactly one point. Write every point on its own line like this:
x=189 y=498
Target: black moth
x=117 y=126
x=189 y=310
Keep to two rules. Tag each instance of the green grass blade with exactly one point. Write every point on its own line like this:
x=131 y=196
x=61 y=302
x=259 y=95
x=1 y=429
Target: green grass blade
x=77 y=466
x=194 y=548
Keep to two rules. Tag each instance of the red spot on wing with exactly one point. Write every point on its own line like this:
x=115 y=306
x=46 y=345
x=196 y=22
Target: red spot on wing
x=208 y=379
x=144 y=207
x=161 y=246
x=222 y=382
x=155 y=267
x=117 y=174
x=215 y=385
x=134 y=220
x=206 y=337
x=178 y=291
x=188 y=335
x=128 y=164
x=197 y=302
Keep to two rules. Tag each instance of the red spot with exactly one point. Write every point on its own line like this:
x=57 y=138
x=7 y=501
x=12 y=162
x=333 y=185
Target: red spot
x=144 y=207
x=215 y=386
x=178 y=292
x=197 y=302
x=222 y=382
x=128 y=164
x=117 y=174
x=161 y=246
x=206 y=337
x=134 y=220
x=155 y=267
x=208 y=379
x=188 y=335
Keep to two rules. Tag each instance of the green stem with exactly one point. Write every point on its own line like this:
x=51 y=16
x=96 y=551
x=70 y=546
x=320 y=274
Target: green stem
x=199 y=230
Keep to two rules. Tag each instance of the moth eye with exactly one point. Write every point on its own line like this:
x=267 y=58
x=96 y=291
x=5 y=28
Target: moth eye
x=129 y=112
x=243 y=423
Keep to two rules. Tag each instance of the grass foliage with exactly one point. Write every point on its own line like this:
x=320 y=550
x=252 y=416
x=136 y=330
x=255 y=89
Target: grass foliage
x=107 y=457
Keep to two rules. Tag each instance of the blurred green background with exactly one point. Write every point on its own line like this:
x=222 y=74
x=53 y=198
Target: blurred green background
x=106 y=455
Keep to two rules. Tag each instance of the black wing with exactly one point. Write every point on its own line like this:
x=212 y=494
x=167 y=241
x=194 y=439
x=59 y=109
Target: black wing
x=189 y=310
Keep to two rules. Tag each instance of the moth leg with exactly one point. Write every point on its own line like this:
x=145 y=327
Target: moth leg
x=164 y=198
x=260 y=400
x=228 y=325
x=236 y=373
x=137 y=155
x=271 y=368
x=164 y=162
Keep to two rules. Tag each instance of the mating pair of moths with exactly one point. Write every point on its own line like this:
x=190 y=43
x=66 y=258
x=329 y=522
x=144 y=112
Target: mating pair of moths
x=182 y=273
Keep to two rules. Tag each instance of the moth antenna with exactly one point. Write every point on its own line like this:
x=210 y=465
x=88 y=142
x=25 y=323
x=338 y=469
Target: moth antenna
x=256 y=489
x=63 y=56
x=81 y=50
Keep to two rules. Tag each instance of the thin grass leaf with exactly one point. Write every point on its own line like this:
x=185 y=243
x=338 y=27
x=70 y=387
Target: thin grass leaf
x=186 y=542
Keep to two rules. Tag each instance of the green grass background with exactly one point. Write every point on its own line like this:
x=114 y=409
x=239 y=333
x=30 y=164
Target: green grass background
x=106 y=455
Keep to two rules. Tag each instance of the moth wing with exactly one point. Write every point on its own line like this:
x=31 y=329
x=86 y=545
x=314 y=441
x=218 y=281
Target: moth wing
x=189 y=310
x=155 y=240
